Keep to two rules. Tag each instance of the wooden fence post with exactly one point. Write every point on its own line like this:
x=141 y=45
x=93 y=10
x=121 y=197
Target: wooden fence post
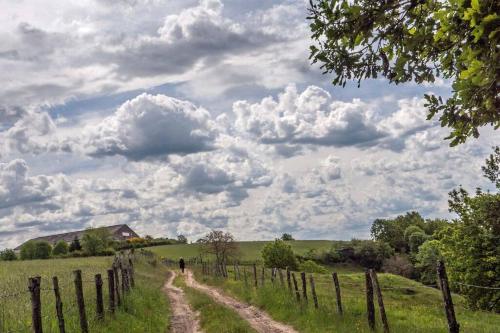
x=255 y=275
x=111 y=290
x=381 y=307
x=262 y=276
x=273 y=270
x=370 y=307
x=297 y=293
x=453 y=326
x=245 y=276
x=235 y=276
x=59 y=305
x=99 y=304
x=288 y=280
x=337 y=292
x=117 y=285
x=313 y=291
x=36 y=305
x=304 y=285
x=282 y=281
x=131 y=272
x=80 y=301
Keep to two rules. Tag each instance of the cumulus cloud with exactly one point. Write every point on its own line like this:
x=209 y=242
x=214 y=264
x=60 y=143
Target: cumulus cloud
x=310 y=117
x=151 y=126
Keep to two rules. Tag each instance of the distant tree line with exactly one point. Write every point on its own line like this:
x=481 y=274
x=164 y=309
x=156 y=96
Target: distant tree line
x=95 y=242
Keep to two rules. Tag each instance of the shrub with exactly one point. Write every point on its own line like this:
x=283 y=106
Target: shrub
x=60 y=248
x=399 y=264
x=35 y=250
x=75 y=245
x=42 y=250
x=136 y=240
x=372 y=254
x=8 y=255
x=182 y=239
x=287 y=237
x=278 y=254
x=310 y=266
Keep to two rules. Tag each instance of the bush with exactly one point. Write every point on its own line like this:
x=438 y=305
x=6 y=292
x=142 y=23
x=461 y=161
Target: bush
x=182 y=239
x=278 y=254
x=310 y=266
x=75 y=245
x=61 y=248
x=371 y=254
x=400 y=265
x=287 y=237
x=35 y=250
x=42 y=250
x=8 y=255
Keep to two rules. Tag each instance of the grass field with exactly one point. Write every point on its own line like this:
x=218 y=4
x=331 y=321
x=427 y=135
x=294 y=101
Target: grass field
x=145 y=308
x=248 y=251
x=418 y=309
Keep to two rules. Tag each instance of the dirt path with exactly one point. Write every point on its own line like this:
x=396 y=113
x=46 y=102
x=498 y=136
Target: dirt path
x=183 y=319
x=258 y=319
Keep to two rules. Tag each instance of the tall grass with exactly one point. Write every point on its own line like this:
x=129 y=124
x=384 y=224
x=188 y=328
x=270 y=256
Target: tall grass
x=410 y=306
x=144 y=309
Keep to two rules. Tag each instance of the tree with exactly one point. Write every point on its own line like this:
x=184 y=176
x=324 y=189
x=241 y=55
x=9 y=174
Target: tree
x=61 y=247
x=427 y=258
x=411 y=230
x=75 y=245
x=8 y=255
x=182 y=239
x=279 y=254
x=417 y=40
x=471 y=245
x=42 y=250
x=416 y=239
x=392 y=231
x=28 y=250
x=221 y=245
x=287 y=237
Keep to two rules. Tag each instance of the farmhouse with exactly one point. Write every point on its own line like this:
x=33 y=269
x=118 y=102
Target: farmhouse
x=117 y=232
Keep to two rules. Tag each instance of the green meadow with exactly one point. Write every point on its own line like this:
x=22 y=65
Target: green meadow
x=145 y=308
x=248 y=251
x=410 y=306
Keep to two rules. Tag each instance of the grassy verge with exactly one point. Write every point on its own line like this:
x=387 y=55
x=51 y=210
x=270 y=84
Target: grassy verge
x=214 y=318
x=410 y=306
x=145 y=308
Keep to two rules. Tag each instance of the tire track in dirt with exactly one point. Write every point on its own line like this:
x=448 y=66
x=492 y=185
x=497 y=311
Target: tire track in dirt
x=183 y=319
x=258 y=319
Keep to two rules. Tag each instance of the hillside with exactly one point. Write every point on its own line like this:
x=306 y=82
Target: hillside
x=249 y=251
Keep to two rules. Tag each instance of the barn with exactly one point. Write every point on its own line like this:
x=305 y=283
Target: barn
x=118 y=232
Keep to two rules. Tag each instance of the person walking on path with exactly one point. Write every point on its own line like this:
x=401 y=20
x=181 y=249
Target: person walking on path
x=182 y=265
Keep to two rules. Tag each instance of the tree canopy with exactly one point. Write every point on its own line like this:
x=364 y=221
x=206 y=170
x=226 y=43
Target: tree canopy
x=417 y=40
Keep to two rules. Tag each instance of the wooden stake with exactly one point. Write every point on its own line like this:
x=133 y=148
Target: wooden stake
x=111 y=290
x=370 y=307
x=453 y=326
x=313 y=291
x=99 y=304
x=289 y=282
x=297 y=293
x=337 y=292
x=80 y=301
x=255 y=275
x=36 y=305
x=59 y=305
x=381 y=307
x=304 y=285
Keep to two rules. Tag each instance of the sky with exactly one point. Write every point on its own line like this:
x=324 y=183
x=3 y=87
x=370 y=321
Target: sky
x=182 y=116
